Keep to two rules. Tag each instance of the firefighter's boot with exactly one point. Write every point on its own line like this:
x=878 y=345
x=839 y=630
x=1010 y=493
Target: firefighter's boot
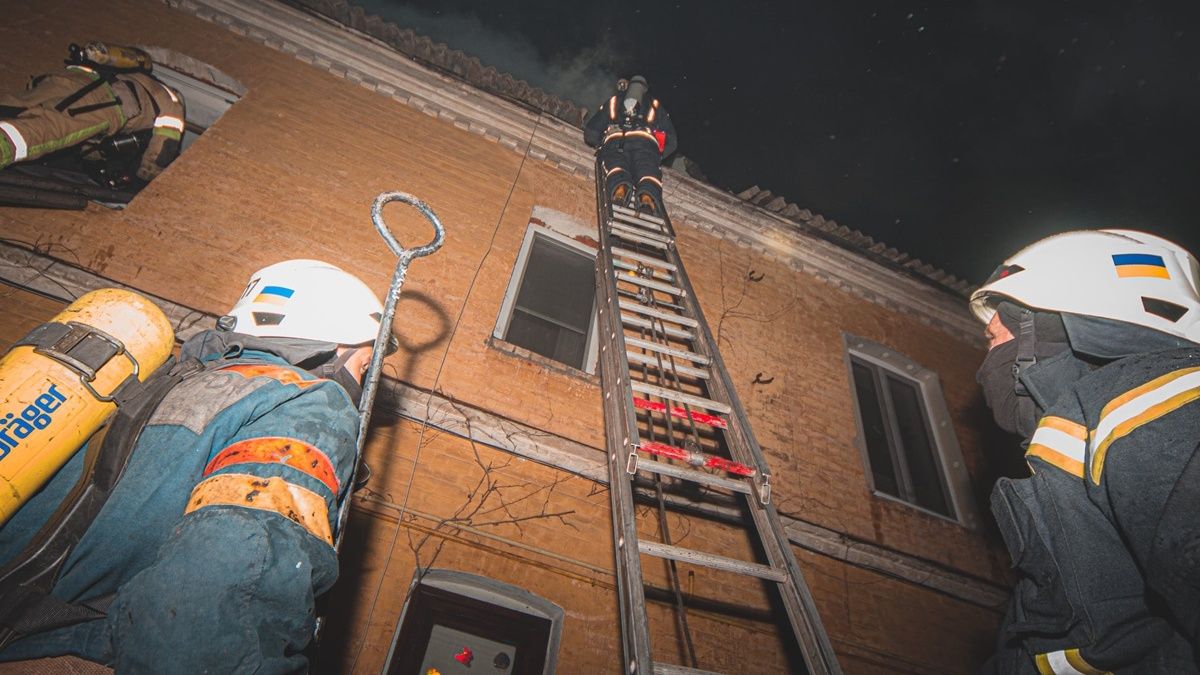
x=647 y=205
x=620 y=194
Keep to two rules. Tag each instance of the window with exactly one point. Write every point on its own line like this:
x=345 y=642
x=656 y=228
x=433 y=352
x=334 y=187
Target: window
x=907 y=440
x=549 y=308
x=456 y=622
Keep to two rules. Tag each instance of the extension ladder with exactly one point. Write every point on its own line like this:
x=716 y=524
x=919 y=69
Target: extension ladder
x=670 y=411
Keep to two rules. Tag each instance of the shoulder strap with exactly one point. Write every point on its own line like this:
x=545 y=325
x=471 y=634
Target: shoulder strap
x=26 y=605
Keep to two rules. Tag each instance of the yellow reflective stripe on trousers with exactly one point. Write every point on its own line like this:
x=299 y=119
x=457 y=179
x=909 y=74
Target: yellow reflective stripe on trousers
x=299 y=505
x=1139 y=406
x=1059 y=442
x=1066 y=662
x=168 y=122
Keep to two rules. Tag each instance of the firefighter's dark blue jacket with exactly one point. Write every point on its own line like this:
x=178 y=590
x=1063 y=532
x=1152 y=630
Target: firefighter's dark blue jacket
x=1104 y=534
x=218 y=536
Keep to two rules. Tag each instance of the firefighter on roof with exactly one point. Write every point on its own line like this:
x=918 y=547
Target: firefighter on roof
x=1093 y=359
x=213 y=544
x=633 y=133
x=105 y=93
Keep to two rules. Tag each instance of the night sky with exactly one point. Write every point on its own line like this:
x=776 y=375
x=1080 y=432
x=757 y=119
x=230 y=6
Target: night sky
x=956 y=131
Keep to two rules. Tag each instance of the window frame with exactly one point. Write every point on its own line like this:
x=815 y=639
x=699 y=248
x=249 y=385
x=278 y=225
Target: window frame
x=939 y=427
x=504 y=319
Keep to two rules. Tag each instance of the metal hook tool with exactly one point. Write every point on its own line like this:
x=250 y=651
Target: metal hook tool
x=371 y=379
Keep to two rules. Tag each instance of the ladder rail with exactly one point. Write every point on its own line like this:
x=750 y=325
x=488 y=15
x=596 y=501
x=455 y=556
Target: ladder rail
x=631 y=599
x=623 y=237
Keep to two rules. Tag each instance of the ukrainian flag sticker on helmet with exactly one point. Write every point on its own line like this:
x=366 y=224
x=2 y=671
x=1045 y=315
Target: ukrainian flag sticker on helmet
x=1140 y=265
x=274 y=295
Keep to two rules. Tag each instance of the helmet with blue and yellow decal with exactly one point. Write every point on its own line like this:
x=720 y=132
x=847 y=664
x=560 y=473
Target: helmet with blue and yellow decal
x=1118 y=275
x=306 y=299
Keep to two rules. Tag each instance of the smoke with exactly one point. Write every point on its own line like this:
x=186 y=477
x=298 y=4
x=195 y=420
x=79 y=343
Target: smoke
x=585 y=77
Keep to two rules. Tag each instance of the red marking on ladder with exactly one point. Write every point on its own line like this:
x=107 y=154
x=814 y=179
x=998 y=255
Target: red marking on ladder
x=727 y=465
x=697 y=458
x=676 y=411
x=665 y=450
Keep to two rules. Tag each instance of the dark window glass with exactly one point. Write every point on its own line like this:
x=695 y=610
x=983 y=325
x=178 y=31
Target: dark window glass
x=554 y=304
x=918 y=450
x=904 y=461
x=873 y=423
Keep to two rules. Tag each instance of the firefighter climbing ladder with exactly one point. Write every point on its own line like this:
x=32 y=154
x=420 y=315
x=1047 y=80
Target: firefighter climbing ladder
x=671 y=411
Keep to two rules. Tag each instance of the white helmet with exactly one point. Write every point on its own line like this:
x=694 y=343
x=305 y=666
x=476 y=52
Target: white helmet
x=1122 y=275
x=307 y=299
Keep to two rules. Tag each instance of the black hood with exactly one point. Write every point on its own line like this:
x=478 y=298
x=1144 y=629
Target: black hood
x=307 y=354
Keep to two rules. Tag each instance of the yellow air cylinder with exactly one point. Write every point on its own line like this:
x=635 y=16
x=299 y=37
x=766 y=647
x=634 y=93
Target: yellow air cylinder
x=116 y=56
x=47 y=410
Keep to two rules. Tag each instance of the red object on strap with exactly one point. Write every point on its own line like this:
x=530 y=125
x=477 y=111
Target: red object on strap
x=697 y=458
x=676 y=411
x=465 y=657
x=661 y=137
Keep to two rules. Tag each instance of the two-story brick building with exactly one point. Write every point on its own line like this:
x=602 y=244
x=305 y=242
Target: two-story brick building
x=856 y=366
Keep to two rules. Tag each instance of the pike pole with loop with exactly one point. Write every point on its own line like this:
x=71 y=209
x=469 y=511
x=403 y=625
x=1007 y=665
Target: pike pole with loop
x=371 y=380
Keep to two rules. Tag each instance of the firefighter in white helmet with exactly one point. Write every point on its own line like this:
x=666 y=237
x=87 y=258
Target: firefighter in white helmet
x=1093 y=360
x=213 y=545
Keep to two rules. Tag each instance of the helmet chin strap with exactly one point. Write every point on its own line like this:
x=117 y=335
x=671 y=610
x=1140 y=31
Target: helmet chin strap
x=336 y=370
x=1026 y=358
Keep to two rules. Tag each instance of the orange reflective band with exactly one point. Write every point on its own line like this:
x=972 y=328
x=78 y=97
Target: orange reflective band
x=652 y=179
x=1064 y=425
x=642 y=133
x=1065 y=662
x=1056 y=458
x=299 y=505
x=613 y=170
x=278 y=450
x=1145 y=389
x=612 y=108
x=1133 y=423
x=279 y=373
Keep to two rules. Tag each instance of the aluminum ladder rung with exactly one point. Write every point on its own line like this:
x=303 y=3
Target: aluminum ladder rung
x=637 y=238
x=639 y=308
x=642 y=257
x=666 y=365
x=637 y=222
x=670 y=351
x=651 y=283
x=673 y=395
x=661 y=276
x=676 y=411
x=692 y=475
x=625 y=210
x=710 y=560
x=639 y=322
x=696 y=458
x=624 y=293
x=641 y=232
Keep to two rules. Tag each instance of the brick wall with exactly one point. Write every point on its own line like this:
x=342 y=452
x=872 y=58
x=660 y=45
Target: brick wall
x=290 y=171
